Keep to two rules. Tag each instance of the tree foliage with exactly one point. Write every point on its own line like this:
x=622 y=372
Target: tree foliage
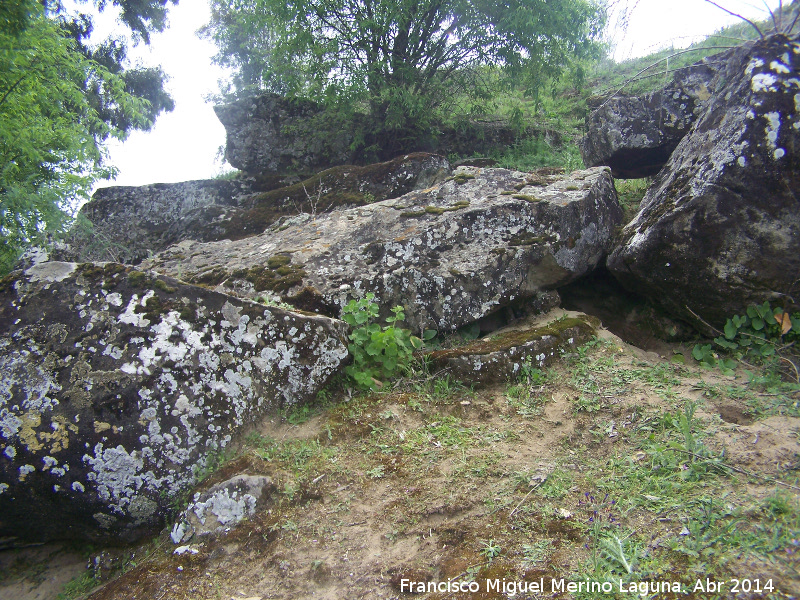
x=60 y=100
x=404 y=57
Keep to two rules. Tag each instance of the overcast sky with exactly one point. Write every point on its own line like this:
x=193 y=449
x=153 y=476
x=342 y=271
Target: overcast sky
x=183 y=144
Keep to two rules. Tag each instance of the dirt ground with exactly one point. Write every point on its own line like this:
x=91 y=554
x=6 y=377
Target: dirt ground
x=435 y=483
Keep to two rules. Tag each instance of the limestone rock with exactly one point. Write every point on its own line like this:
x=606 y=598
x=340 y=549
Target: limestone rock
x=451 y=254
x=116 y=387
x=222 y=506
x=719 y=228
x=635 y=135
x=132 y=223
x=504 y=356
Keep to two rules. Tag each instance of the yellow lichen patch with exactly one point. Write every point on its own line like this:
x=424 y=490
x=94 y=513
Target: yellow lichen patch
x=702 y=93
x=100 y=427
x=58 y=436
x=27 y=433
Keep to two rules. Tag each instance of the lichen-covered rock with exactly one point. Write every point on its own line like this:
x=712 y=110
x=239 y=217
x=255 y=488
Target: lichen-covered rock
x=338 y=187
x=132 y=223
x=222 y=506
x=720 y=227
x=635 y=135
x=451 y=254
x=272 y=134
x=505 y=356
x=117 y=386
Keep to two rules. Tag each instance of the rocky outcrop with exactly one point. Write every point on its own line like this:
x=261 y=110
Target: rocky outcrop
x=719 y=228
x=131 y=223
x=338 y=187
x=508 y=354
x=451 y=254
x=117 y=387
x=635 y=135
x=272 y=134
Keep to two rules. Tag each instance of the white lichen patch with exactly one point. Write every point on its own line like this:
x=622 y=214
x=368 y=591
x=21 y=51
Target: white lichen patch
x=773 y=129
x=754 y=63
x=764 y=82
x=50 y=271
x=779 y=67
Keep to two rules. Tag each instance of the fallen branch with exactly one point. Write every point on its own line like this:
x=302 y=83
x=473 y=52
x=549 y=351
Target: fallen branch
x=511 y=514
x=742 y=471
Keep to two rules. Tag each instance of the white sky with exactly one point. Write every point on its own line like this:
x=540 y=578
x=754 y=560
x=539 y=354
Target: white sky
x=183 y=144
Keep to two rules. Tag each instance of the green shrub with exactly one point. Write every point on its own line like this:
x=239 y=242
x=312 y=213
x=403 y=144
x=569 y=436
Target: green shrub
x=378 y=352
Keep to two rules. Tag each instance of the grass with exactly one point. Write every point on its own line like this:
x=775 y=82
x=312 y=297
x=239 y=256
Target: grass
x=516 y=482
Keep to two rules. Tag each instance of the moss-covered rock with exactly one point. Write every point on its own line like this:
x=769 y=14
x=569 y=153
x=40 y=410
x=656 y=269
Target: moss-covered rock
x=503 y=356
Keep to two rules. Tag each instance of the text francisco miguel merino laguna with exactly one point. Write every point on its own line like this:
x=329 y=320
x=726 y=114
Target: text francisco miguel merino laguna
x=642 y=588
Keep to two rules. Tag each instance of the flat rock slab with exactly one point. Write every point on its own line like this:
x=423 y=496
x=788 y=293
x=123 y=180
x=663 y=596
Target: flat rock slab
x=132 y=223
x=451 y=254
x=506 y=355
x=118 y=386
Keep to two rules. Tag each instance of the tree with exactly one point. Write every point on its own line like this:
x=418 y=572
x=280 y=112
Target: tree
x=60 y=100
x=405 y=58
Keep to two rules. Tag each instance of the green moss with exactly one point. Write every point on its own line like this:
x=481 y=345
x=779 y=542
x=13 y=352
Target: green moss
x=513 y=339
x=279 y=260
x=524 y=239
x=463 y=178
x=572 y=188
x=188 y=312
x=526 y=198
x=412 y=213
x=159 y=284
x=519 y=186
x=276 y=280
x=137 y=279
x=435 y=210
x=507 y=193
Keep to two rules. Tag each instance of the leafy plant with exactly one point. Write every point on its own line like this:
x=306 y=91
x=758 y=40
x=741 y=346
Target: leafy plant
x=378 y=352
x=490 y=550
x=761 y=334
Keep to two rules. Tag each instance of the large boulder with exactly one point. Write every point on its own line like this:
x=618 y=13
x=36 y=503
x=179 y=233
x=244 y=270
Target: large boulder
x=272 y=134
x=635 y=135
x=720 y=227
x=451 y=254
x=118 y=387
x=131 y=223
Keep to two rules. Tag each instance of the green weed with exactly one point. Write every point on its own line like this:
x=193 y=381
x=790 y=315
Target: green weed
x=379 y=353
